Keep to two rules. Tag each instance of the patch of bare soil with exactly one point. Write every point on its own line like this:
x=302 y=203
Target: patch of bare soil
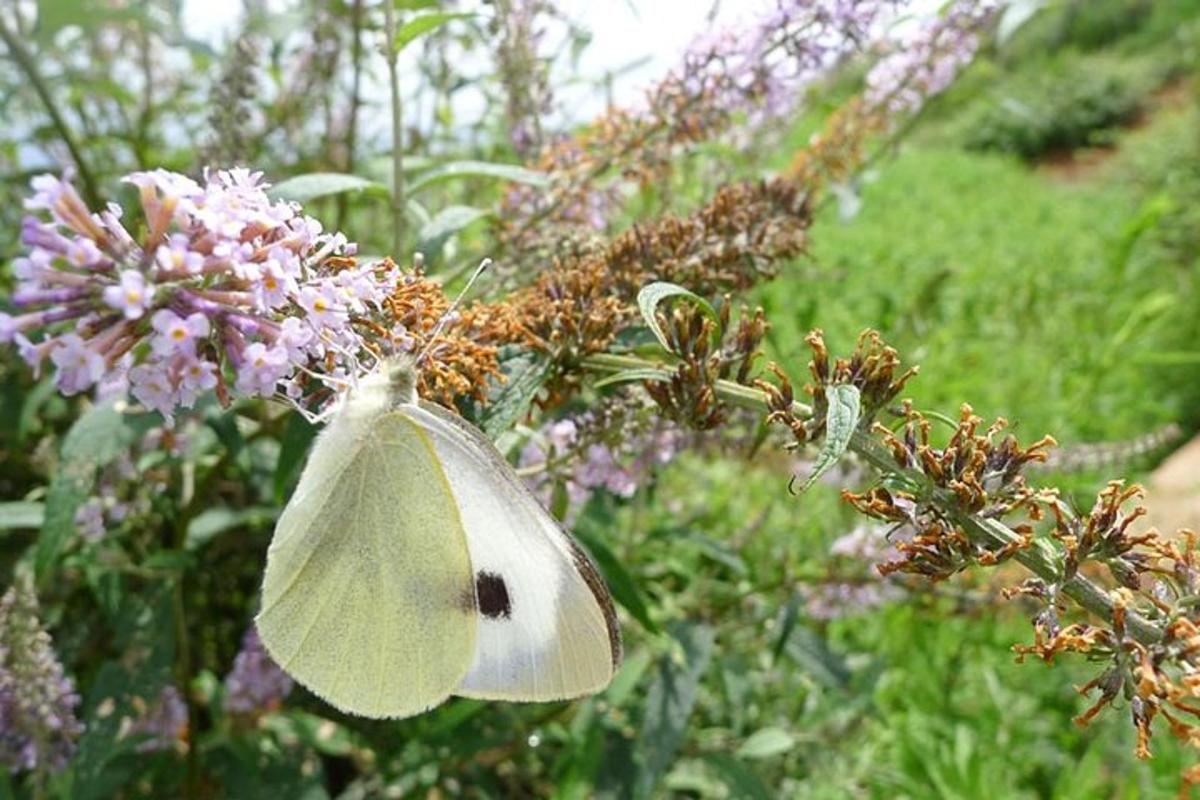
x=1071 y=166
x=1173 y=490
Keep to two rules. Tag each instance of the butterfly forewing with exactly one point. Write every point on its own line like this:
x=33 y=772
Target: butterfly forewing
x=368 y=596
x=546 y=626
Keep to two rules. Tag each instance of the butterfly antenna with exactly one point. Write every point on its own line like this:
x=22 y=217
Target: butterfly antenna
x=445 y=318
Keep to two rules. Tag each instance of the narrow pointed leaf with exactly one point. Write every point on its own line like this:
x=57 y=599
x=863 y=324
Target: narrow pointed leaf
x=304 y=188
x=845 y=406
x=669 y=703
x=454 y=170
x=417 y=27
x=652 y=294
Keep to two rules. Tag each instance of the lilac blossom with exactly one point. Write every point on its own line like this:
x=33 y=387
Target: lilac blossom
x=760 y=68
x=256 y=684
x=856 y=585
x=123 y=492
x=38 y=727
x=619 y=469
x=223 y=281
x=926 y=58
x=161 y=724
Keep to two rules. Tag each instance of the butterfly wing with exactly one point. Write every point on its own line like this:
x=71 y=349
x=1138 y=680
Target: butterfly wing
x=368 y=598
x=546 y=629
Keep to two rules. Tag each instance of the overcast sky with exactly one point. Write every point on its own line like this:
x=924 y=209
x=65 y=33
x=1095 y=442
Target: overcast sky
x=653 y=34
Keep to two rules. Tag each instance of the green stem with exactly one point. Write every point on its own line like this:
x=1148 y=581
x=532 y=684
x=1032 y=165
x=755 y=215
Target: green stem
x=355 y=101
x=393 y=58
x=1040 y=559
x=27 y=65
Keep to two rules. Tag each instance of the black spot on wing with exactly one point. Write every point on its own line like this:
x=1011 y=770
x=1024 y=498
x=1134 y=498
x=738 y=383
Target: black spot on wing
x=491 y=593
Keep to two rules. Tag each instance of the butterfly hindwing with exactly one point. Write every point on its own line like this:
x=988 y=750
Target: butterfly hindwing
x=546 y=626
x=368 y=596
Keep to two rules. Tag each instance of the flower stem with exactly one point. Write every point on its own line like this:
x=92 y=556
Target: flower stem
x=393 y=58
x=28 y=66
x=355 y=101
x=1039 y=559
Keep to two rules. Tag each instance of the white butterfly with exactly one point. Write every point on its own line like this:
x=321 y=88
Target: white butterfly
x=412 y=564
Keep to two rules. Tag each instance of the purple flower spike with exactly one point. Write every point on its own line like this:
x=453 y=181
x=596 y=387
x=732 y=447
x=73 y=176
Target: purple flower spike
x=38 y=728
x=256 y=684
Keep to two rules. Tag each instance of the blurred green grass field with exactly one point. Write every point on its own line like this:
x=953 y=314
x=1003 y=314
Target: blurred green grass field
x=1058 y=292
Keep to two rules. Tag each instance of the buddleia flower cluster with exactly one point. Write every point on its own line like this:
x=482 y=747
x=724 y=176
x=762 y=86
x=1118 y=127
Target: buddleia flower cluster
x=854 y=586
x=222 y=290
x=38 y=727
x=256 y=684
x=608 y=449
x=161 y=724
x=927 y=58
x=759 y=69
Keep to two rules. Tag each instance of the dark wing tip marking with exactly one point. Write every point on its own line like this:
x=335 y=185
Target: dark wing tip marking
x=492 y=596
x=591 y=577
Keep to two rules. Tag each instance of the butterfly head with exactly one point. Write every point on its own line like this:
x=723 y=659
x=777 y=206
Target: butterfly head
x=393 y=383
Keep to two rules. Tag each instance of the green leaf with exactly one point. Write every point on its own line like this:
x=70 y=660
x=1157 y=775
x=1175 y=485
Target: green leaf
x=669 y=702
x=766 y=742
x=17 y=515
x=446 y=223
x=525 y=374
x=627 y=678
x=95 y=440
x=209 y=524
x=323 y=735
x=739 y=779
x=143 y=644
x=303 y=188
x=170 y=561
x=623 y=585
x=454 y=170
x=652 y=294
x=297 y=436
x=639 y=374
x=811 y=654
x=423 y=24
x=840 y=421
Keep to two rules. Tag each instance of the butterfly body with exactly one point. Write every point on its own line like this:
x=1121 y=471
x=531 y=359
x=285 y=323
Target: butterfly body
x=411 y=564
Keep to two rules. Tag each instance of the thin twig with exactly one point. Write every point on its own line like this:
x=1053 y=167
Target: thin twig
x=393 y=59
x=27 y=65
x=355 y=102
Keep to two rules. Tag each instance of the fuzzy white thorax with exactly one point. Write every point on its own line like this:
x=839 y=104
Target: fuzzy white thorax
x=392 y=383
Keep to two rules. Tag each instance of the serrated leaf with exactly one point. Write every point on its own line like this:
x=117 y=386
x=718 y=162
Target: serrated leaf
x=845 y=406
x=652 y=294
x=17 y=515
x=423 y=24
x=96 y=439
x=524 y=377
x=766 y=742
x=639 y=374
x=454 y=170
x=623 y=585
x=669 y=703
x=304 y=188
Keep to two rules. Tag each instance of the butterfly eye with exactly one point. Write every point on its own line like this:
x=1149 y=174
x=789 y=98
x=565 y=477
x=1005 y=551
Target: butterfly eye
x=492 y=595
